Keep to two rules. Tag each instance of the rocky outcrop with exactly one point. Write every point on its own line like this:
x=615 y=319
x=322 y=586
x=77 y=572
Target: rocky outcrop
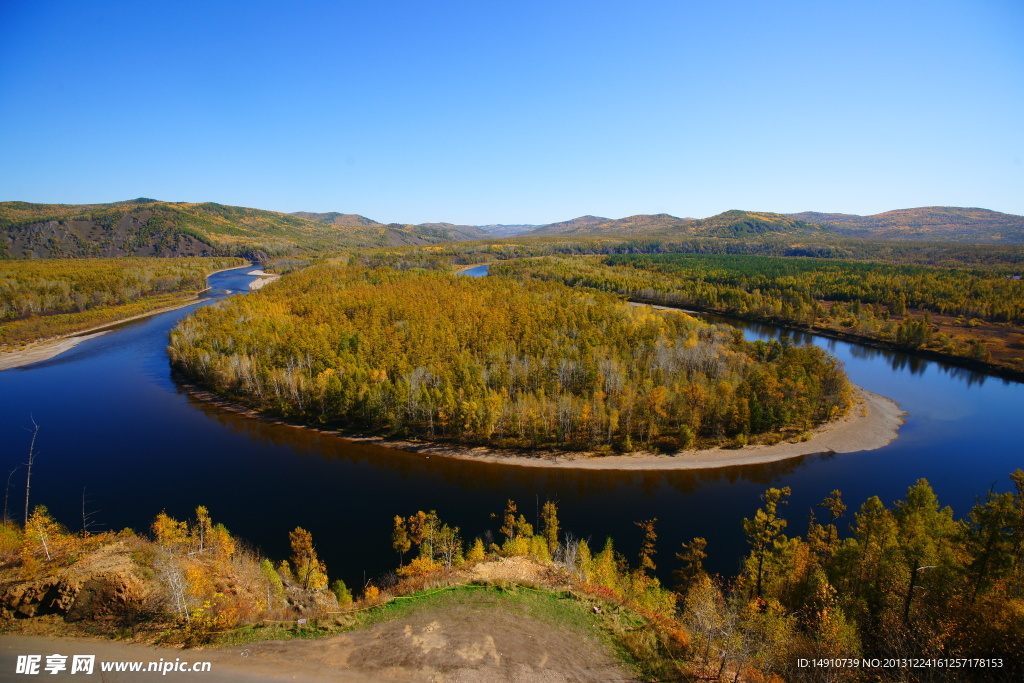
x=106 y=583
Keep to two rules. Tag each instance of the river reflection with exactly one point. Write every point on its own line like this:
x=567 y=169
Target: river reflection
x=469 y=474
x=114 y=422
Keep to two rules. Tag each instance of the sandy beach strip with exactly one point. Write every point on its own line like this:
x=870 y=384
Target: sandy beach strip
x=45 y=349
x=872 y=422
x=262 y=279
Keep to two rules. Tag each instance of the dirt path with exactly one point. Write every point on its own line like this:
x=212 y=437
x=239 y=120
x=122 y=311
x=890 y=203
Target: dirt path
x=485 y=639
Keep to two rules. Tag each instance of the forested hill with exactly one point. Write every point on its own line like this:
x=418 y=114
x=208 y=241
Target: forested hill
x=415 y=234
x=335 y=218
x=944 y=223
x=727 y=224
x=933 y=223
x=147 y=227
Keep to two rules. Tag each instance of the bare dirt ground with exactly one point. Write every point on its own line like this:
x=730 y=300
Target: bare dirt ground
x=460 y=643
x=482 y=639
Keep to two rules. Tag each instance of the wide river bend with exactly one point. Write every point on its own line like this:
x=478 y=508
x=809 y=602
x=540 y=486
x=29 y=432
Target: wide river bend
x=115 y=425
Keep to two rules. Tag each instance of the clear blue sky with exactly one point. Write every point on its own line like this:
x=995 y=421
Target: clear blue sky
x=506 y=111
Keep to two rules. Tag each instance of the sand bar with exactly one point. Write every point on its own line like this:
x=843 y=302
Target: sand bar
x=262 y=279
x=872 y=423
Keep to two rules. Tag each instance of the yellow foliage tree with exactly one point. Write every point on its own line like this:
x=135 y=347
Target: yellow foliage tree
x=310 y=572
x=169 y=532
x=43 y=536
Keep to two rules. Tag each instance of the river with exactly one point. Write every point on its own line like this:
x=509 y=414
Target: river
x=114 y=424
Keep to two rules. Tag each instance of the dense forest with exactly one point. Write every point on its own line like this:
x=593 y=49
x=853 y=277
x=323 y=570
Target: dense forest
x=42 y=298
x=1001 y=259
x=907 y=581
x=890 y=303
x=501 y=362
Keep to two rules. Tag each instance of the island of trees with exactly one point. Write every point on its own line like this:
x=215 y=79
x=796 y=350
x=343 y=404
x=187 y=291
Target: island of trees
x=500 y=362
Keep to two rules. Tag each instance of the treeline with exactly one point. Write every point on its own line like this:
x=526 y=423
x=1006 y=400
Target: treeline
x=499 y=362
x=801 y=282
x=907 y=582
x=996 y=259
x=888 y=303
x=46 y=297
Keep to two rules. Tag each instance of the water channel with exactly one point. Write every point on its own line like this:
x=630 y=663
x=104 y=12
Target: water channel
x=115 y=425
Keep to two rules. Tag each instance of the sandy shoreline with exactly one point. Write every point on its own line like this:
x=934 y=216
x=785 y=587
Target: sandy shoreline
x=38 y=351
x=873 y=422
x=262 y=279
x=45 y=349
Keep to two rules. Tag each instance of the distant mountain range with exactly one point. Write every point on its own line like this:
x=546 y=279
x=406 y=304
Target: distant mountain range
x=148 y=227
x=926 y=223
x=939 y=223
x=728 y=224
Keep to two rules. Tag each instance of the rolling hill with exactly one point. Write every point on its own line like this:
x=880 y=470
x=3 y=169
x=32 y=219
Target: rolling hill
x=340 y=219
x=938 y=223
x=502 y=230
x=147 y=227
x=728 y=224
x=423 y=233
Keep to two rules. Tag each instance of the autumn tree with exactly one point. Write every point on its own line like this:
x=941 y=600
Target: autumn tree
x=508 y=526
x=170 y=534
x=764 y=530
x=925 y=534
x=693 y=555
x=309 y=571
x=43 y=536
x=647 y=545
x=400 y=537
x=549 y=525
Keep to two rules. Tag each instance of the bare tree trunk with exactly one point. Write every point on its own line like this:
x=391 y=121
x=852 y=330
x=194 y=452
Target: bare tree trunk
x=7 y=491
x=171 y=576
x=28 y=465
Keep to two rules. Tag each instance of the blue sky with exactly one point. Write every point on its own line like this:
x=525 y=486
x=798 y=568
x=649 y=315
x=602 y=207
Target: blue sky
x=515 y=112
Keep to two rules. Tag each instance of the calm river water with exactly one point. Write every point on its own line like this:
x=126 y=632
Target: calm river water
x=114 y=424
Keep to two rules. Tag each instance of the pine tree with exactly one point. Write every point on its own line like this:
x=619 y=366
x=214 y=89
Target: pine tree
x=764 y=529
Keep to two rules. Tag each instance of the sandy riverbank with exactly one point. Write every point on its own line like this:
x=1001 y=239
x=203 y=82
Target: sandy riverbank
x=262 y=279
x=46 y=349
x=872 y=423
